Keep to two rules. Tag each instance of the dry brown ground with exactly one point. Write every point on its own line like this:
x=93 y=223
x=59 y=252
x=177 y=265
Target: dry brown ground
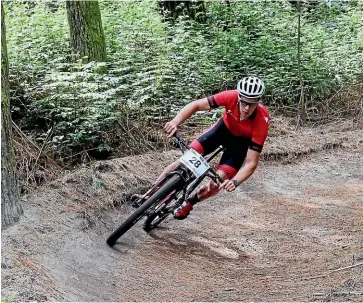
x=293 y=232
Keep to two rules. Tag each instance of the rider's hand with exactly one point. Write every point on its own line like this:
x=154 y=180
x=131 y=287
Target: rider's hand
x=171 y=127
x=228 y=185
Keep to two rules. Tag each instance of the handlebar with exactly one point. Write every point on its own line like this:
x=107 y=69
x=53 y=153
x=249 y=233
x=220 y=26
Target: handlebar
x=183 y=147
x=219 y=178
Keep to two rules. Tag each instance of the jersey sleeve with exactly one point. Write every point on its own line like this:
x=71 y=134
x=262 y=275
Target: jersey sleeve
x=259 y=134
x=221 y=99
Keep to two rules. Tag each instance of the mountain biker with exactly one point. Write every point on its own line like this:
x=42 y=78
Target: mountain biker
x=242 y=131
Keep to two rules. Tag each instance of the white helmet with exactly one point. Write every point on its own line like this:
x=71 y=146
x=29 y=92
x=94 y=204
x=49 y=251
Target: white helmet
x=251 y=87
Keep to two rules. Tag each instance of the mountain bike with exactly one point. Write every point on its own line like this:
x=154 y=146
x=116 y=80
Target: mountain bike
x=169 y=193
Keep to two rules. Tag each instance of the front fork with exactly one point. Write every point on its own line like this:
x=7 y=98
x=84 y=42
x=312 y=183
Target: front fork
x=186 y=176
x=179 y=170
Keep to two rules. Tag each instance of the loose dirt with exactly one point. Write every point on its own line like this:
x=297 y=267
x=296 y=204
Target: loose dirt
x=292 y=232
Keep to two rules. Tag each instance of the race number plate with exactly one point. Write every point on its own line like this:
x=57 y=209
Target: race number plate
x=195 y=162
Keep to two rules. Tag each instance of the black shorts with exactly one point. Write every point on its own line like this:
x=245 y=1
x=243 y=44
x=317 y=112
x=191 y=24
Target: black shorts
x=236 y=147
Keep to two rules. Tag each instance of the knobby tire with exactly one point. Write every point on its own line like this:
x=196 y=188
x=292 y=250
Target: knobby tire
x=160 y=194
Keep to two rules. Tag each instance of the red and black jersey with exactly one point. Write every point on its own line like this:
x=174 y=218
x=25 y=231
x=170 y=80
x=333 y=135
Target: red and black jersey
x=254 y=127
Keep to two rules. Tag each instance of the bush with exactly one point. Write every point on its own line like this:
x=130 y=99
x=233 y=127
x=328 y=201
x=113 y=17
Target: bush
x=155 y=67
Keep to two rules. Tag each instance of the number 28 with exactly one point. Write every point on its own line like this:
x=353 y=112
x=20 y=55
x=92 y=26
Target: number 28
x=195 y=162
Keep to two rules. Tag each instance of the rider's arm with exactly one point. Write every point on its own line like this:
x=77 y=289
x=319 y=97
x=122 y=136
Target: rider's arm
x=186 y=112
x=190 y=109
x=249 y=168
x=259 y=135
x=245 y=172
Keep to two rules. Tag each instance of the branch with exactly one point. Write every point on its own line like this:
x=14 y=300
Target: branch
x=333 y=271
x=19 y=131
x=41 y=150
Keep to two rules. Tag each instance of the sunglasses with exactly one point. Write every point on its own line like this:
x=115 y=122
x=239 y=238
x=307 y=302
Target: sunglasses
x=245 y=103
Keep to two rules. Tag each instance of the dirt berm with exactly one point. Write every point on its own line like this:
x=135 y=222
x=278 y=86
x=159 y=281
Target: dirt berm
x=292 y=232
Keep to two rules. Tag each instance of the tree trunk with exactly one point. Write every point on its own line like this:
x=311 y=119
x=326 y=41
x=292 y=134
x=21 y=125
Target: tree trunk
x=306 y=4
x=87 y=37
x=10 y=197
x=172 y=9
x=302 y=106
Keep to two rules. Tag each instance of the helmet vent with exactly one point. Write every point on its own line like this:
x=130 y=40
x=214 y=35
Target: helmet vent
x=251 y=87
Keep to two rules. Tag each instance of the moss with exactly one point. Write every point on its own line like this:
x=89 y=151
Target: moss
x=87 y=36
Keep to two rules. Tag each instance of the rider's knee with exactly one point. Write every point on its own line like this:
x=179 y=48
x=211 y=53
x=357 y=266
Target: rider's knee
x=226 y=171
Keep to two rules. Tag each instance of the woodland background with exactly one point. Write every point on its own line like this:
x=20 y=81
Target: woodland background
x=76 y=96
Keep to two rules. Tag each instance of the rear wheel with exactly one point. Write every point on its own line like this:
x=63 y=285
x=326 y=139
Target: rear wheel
x=174 y=183
x=154 y=220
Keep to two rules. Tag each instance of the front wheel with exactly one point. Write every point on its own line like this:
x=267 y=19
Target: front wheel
x=168 y=187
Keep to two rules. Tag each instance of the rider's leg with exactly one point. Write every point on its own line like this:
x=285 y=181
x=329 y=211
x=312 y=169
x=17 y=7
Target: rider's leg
x=210 y=143
x=208 y=190
x=211 y=189
x=205 y=192
x=231 y=161
x=206 y=143
x=167 y=170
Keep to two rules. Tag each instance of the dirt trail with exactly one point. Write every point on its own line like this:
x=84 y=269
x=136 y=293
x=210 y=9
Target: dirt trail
x=268 y=241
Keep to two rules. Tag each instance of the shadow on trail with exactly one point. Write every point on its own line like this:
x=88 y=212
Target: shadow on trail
x=192 y=245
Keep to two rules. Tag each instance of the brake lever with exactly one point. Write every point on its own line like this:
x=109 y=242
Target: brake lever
x=180 y=143
x=220 y=179
x=216 y=178
x=176 y=136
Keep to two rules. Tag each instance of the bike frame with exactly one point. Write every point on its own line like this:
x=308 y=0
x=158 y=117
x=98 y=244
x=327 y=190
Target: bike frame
x=174 y=188
x=189 y=180
x=209 y=173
